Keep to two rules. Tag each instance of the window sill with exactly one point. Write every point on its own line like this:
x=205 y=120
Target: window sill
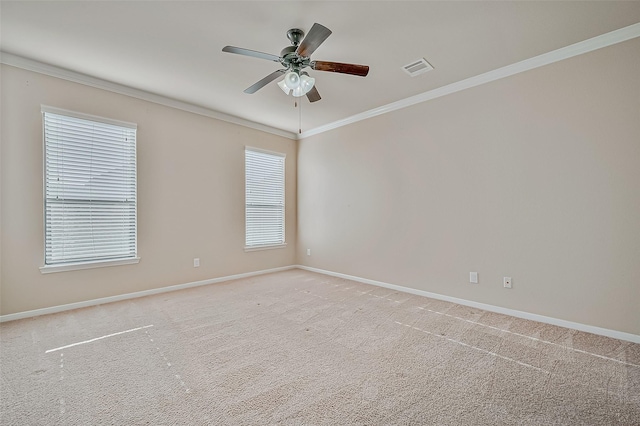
x=47 y=269
x=265 y=247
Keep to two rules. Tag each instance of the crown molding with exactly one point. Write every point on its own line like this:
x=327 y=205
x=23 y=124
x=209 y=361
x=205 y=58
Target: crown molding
x=589 y=45
x=76 y=77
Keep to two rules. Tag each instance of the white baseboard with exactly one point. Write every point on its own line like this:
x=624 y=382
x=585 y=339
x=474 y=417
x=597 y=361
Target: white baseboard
x=103 y=300
x=491 y=308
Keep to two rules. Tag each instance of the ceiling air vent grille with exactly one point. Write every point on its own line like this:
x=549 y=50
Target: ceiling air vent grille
x=417 y=67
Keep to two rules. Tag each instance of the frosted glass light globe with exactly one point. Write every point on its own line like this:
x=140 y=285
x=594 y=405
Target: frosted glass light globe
x=292 y=80
x=306 y=84
x=284 y=87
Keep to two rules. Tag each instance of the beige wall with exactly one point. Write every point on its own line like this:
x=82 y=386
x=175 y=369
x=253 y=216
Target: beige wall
x=536 y=176
x=190 y=196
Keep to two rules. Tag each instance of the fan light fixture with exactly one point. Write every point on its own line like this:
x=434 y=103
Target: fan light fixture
x=295 y=84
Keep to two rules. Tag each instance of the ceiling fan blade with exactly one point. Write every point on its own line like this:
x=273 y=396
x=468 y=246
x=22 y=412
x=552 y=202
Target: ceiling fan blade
x=313 y=95
x=268 y=79
x=353 y=69
x=247 y=52
x=317 y=34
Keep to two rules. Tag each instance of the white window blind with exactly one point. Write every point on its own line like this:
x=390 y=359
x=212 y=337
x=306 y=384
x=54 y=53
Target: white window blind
x=90 y=188
x=264 y=212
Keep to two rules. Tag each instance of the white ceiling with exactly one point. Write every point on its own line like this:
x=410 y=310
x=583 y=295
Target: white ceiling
x=174 y=48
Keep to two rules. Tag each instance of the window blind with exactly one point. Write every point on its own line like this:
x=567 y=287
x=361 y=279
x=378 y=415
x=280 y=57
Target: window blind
x=90 y=189
x=264 y=212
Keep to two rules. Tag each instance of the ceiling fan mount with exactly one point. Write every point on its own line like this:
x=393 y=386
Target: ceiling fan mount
x=298 y=56
x=295 y=35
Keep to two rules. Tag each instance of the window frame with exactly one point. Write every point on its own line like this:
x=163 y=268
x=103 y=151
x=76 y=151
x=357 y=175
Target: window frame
x=272 y=245
x=96 y=263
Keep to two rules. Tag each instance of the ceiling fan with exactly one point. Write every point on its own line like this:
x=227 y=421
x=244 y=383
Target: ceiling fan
x=295 y=58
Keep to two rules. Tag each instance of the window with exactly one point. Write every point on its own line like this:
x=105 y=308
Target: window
x=89 y=190
x=264 y=209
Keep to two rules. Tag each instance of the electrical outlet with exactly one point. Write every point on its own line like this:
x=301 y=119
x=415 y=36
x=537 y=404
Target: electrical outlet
x=196 y=262
x=473 y=277
x=308 y=252
x=506 y=282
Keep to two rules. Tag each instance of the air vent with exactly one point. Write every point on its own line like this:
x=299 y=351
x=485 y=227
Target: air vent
x=418 y=67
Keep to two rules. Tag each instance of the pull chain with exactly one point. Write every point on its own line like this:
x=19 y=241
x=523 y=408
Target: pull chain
x=300 y=118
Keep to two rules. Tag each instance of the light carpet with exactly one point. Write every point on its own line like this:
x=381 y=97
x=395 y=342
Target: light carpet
x=300 y=348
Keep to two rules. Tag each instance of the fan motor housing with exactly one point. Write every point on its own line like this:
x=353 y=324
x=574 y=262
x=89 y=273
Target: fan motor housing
x=287 y=51
x=292 y=60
